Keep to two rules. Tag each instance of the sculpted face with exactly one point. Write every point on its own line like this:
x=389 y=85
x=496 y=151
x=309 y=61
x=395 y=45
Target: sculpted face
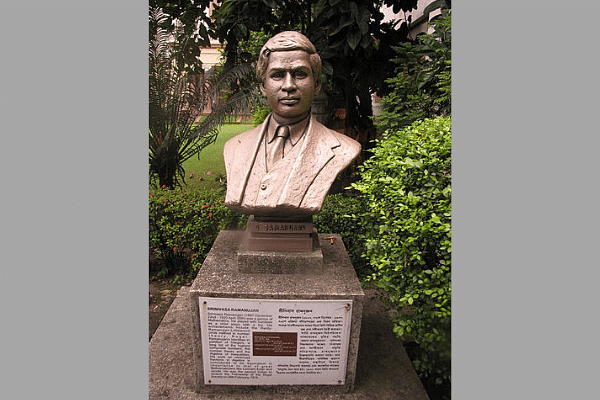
x=289 y=85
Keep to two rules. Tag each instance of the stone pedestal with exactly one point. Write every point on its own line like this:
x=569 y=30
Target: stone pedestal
x=236 y=298
x=273 y=246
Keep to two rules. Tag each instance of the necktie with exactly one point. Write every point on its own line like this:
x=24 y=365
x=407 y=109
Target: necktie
x=278 y=144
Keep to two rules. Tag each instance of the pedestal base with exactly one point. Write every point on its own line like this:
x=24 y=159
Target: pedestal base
x=280 y=262
x=274 y=246
x=222 y=284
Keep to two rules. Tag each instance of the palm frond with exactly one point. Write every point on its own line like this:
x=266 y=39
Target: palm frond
x=178 y=94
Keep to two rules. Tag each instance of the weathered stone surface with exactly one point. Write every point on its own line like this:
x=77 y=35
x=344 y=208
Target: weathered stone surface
x=220 y=277
x=219 y=273
x=277 y=261
x=279 y=242
x=271 y=262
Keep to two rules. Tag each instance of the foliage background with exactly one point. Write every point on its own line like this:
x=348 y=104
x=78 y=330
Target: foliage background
x=179 y=91
x=421 y=87
x=341 y=213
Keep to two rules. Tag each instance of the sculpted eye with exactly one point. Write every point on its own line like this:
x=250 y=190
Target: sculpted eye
x=300 y=74
x=277 y=75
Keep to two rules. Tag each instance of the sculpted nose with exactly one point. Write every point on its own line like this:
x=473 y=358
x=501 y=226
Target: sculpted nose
x=289 y=84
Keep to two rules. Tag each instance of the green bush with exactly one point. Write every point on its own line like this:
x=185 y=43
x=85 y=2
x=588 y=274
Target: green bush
x=183 y=227
x=406 y=184
x=259 y=114
x=341 y=214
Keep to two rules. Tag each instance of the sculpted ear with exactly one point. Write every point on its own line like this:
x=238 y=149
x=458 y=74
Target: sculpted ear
x=262 y=89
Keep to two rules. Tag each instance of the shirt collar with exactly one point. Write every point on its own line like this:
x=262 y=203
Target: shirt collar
x=296 y=130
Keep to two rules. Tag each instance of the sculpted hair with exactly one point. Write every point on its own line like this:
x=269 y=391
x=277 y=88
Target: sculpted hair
x=288 y=41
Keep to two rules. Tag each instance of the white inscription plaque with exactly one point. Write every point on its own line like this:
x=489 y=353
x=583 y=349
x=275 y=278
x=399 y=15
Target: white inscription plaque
x=274 y=342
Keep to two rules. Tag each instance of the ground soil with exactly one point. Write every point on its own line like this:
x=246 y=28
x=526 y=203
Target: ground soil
x=161 y=293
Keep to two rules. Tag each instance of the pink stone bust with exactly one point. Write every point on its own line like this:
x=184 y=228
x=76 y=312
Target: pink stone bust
x=294 y=179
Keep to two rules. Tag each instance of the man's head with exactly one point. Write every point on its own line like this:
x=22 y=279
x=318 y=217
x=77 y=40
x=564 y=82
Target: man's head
x=287 y=41
x=289 y=69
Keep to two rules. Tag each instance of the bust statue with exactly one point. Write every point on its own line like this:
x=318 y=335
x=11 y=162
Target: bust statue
x=285 y=166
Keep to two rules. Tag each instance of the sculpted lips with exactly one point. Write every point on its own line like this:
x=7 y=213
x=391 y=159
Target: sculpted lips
x=290 y=101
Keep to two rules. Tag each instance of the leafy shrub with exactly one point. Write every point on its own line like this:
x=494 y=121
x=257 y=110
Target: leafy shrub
x=259 y=114
x=341 y=214
x=184 y=225
x=406 y=184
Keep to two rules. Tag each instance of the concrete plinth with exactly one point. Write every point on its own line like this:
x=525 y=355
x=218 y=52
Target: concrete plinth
x=221 y=278
x=273 y=246
x=280 y=262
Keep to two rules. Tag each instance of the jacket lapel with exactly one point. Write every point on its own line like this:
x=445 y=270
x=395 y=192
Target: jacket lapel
x=243 y=159
x=316 y=151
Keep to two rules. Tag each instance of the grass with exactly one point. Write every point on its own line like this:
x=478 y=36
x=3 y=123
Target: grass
x=203 y=172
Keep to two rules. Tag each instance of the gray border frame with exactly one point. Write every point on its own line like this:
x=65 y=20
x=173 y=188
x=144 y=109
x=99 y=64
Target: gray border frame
x=74 y=200
x=525 y=198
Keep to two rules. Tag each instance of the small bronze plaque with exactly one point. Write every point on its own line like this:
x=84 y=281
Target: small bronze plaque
x=279 y=227
x=275 y=344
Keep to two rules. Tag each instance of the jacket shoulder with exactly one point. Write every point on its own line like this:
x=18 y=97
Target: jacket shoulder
x=241 y=139
x=351 y=145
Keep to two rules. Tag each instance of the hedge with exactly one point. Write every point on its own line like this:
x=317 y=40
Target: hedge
x=406 y=186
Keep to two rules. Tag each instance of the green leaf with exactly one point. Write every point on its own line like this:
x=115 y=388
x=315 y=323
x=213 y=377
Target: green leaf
x=327 y=68
x=354 y=10
x=434 y=5
x=344 y=22
x=363 y=21
x=353 y=38
x=271 y=3
x=366 y=40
